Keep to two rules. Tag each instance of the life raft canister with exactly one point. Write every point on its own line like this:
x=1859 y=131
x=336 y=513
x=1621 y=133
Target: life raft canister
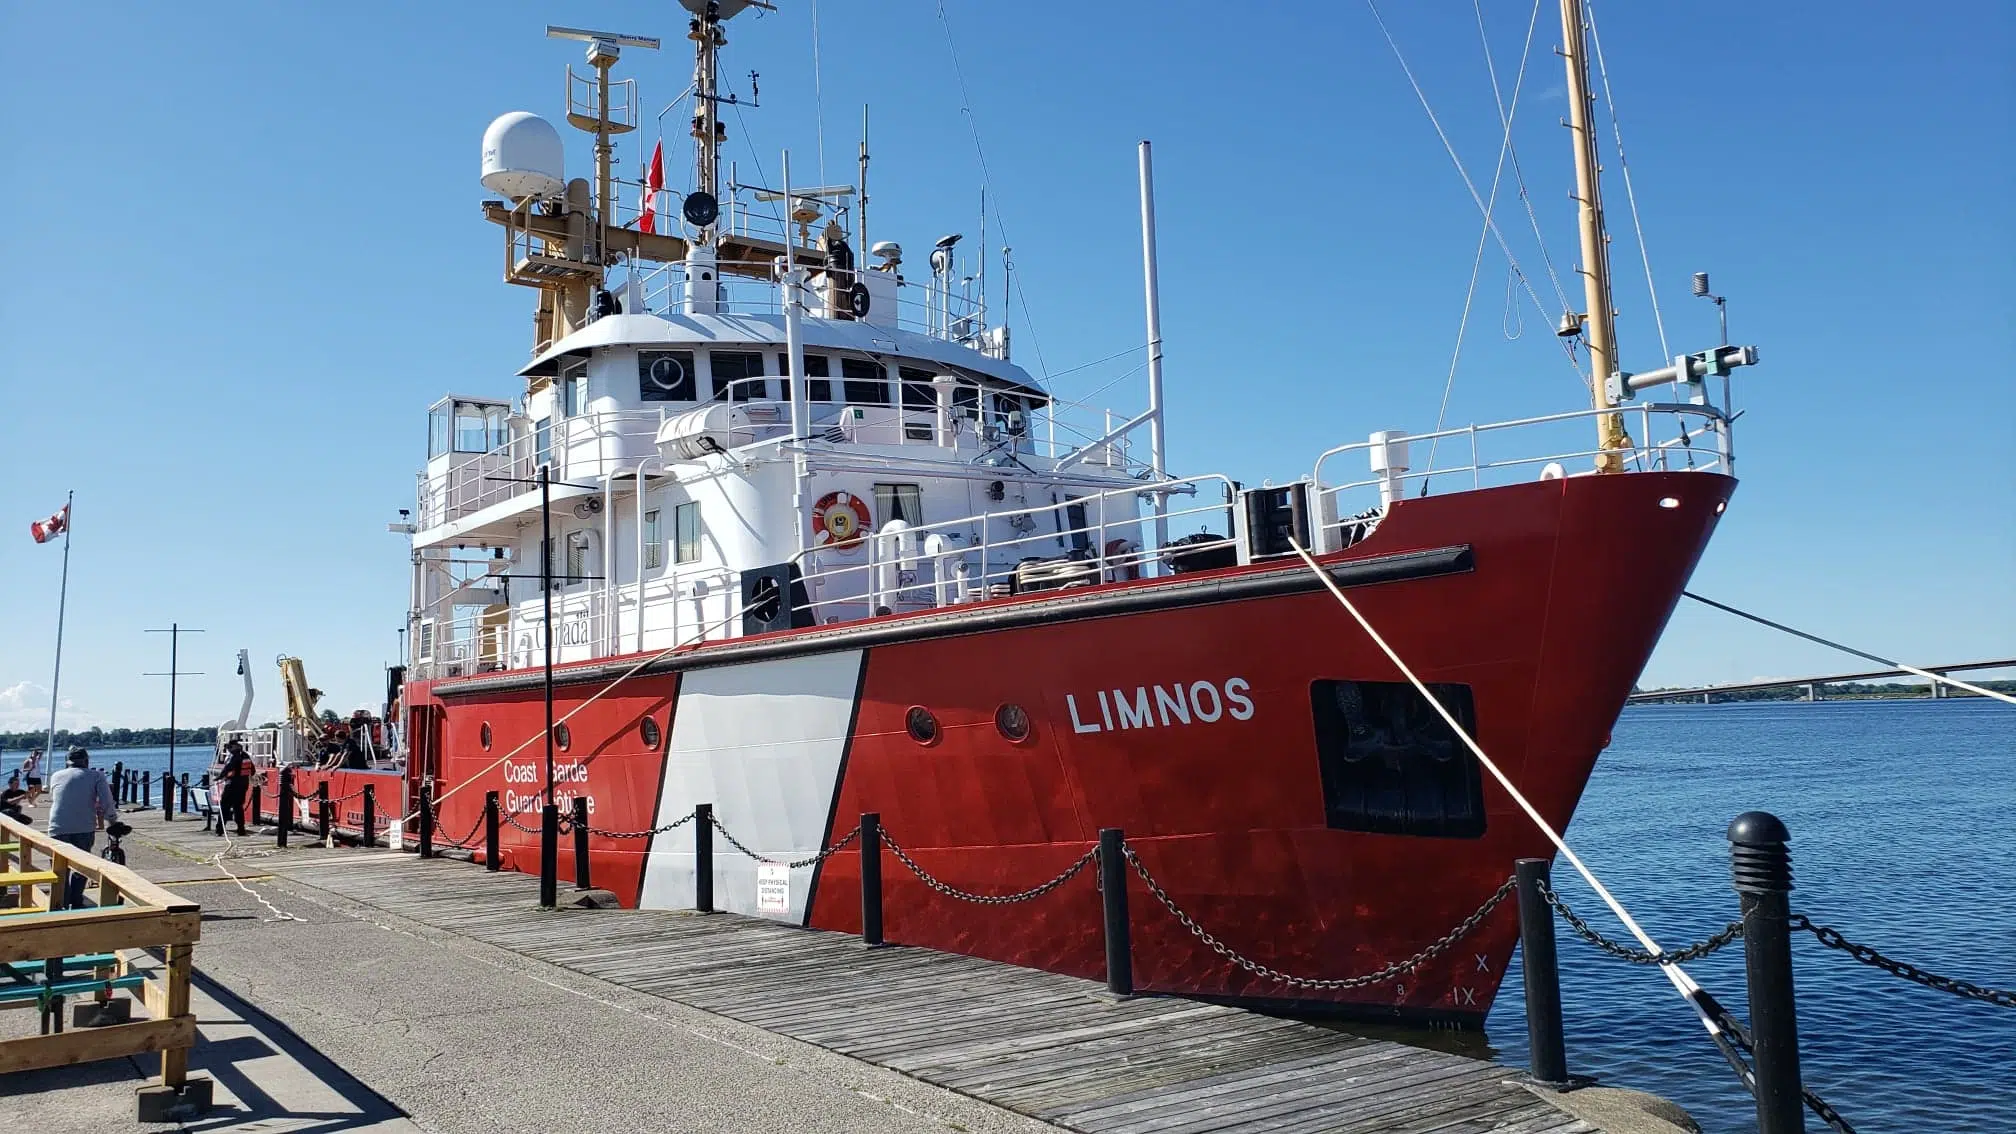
x=838 y=520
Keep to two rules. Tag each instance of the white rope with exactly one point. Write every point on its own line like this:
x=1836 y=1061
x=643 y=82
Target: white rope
x=1630 y=195
x=217 y=861
x=1505 y=117
x=1476 y=197
x=1674 y=973
x=1865 y=656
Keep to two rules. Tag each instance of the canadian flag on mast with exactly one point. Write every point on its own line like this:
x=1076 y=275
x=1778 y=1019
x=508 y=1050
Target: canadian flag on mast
x=654 y=180
x=46 y=530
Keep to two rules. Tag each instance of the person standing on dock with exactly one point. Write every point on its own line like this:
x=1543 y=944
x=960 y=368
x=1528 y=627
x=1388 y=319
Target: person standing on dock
x=31 y=773
x=80 y=801
x=237 y=777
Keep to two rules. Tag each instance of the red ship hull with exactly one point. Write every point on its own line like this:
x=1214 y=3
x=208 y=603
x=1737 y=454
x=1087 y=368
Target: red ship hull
x=1186 y=711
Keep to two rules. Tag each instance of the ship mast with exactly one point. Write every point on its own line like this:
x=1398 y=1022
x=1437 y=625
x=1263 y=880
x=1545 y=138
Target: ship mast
x=1599 y=323
x=708 y=130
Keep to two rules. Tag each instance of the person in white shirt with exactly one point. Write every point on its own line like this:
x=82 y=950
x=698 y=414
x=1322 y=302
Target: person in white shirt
x=31 y=774
x=80 y=802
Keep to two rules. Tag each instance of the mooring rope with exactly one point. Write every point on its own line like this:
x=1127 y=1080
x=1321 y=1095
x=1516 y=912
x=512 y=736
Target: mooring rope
x=1863 y=654
x=1688 y=988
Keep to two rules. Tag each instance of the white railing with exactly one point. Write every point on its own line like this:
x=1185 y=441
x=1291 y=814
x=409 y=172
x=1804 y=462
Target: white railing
x=1665 y=436
x=585 y=446
x=899 y=569
x=748 y=288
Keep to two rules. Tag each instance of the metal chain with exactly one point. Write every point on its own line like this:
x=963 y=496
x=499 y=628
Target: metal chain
x=1832 y=938
x=834 y=849
x=951 y=891
x=513 y=820
x=463 y=842
x=658 y=830
x=1694 y=952
x=1398 y=968
x=819 y=857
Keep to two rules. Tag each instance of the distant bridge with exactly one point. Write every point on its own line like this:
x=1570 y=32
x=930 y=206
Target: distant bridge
x=1707 y=692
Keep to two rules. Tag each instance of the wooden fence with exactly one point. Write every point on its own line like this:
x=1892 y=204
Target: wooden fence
x=130 y=913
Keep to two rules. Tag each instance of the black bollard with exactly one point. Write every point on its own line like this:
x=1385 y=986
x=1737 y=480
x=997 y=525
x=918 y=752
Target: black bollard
x=255 y=805
x=426 y=821
x=322 y=816
x=1113 y=892
x=580 y=824
x=549 y=855
x=119 y=782
x=490 y=826
x=285 y=819
x=1762 y=869
x=1549 y=1055
x=365 y=838
x=168 y=797
x=703 y=857
x=185 y=794
x=871 y=878
x=146 y=789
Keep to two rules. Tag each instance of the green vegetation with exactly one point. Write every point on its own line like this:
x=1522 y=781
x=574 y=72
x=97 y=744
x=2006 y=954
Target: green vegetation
x=1841 y=691
x=95 y=738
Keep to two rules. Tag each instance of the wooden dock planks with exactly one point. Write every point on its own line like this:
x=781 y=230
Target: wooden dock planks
x=1054 y=1047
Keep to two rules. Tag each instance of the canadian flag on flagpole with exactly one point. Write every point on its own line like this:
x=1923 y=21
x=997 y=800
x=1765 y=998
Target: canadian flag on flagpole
x=46 y=530
x=654 y=180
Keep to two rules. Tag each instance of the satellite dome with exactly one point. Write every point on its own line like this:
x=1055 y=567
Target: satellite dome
x=522 y=157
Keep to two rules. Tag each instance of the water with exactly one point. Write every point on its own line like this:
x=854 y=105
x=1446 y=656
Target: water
x=191 y=758
x=1901 y=815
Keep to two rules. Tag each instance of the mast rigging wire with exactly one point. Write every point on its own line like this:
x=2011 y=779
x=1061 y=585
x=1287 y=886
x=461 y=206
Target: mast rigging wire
x=818 y=97
x=1864 y=655
x=1449 y=147
x=1630 y=196
x=1688 y=988
x=1505 y=117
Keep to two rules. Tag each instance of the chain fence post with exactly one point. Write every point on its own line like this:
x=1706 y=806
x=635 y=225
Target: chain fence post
x=703 y=857
x=1761 y=866
x=146 y=789
x=119 y=782
x=1541 y=972
x=184 y=785
x=206 y=802
x=549 y=855
x=490 y=862
x=256 y=804
x=1113 y=897
x=370 y=816
x=285 y=820
x=580 y=823
x=323 y=813
x=871 y=878
x=426 y=821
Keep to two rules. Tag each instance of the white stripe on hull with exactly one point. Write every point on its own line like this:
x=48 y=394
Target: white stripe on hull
x=763 y=743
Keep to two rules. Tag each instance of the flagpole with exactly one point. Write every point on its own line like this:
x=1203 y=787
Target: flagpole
x=62 y=596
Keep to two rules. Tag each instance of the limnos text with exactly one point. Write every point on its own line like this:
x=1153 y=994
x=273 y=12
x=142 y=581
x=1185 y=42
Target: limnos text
x=1162 y=706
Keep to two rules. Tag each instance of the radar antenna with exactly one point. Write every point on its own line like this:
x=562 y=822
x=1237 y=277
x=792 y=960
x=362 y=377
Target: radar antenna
x=595 y=117
x=709 y=132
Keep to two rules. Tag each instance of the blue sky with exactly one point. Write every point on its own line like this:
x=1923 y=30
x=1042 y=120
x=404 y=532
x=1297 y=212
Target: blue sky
x=246 y=256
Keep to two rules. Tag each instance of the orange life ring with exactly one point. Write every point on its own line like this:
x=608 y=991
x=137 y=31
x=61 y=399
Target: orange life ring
x=839 y=519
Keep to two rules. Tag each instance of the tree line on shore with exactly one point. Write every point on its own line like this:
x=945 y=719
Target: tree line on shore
x=96 y=737
x=1835 y=691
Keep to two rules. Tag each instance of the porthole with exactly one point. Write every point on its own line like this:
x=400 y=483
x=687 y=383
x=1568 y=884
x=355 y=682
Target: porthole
x=561 y=737
x=648 y=729
x=922 y=725
x=1013 y=722
x=483 y=736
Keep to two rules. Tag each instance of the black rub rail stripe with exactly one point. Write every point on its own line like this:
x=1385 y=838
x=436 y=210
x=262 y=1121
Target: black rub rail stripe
x=981 y=620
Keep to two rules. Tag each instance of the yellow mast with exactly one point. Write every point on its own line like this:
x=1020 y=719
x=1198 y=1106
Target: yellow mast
x=1599 y=323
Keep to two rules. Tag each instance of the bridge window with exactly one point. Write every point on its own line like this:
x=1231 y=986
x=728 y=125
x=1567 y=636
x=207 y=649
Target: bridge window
x=917 y=390
x=654 y=541
x=665 y=375
x=864 y=382
x=542 y=441
x=686 y=533
x=573 y=389
x=899 y=502
x=577 y=556
x=1390 y=763
x=732 y=370
x=817 y=373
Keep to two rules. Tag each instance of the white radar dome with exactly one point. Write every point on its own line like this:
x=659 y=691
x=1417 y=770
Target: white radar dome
x=522 y=157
